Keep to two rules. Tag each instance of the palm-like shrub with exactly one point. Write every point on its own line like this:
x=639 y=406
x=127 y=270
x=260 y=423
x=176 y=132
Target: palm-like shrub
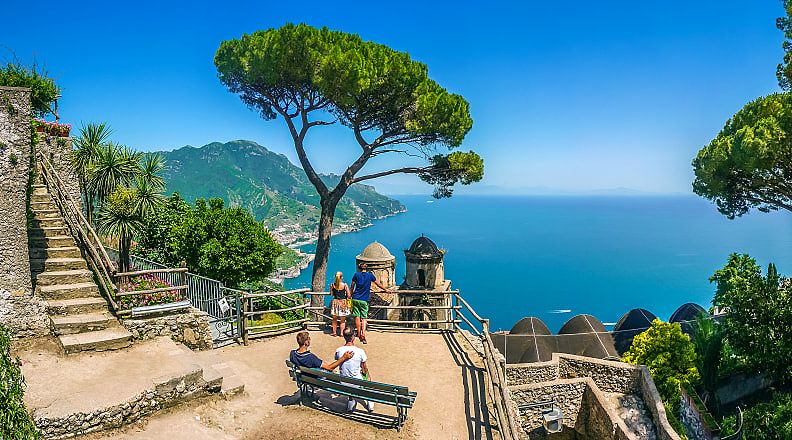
x=119 y=217
x=708 y=340
x=91 y=138
x=115 y=166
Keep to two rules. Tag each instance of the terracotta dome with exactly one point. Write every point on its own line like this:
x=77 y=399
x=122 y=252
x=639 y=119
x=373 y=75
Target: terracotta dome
x=424 y=247
x=376 y=252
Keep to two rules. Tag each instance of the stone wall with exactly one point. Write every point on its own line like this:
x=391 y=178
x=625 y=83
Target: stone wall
x=190 y=328
x=654 y=404
x=610 y=376
x=521 y=374
x=160 y=396
x=15 y=114
x=538 y=381
x=568 y=393
x=57 y=150
x=587 y=413
x=24 y=315
x=600 y=421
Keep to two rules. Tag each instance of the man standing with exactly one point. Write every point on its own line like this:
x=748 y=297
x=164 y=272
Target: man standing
x=303 y=357
x=361 y=295
x=354 y=367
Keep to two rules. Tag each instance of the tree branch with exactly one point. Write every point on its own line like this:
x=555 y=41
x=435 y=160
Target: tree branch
x=406 y=170
x=298 y=137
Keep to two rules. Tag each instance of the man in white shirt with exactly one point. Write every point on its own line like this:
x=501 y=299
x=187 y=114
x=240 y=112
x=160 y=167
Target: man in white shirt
x=353 y=367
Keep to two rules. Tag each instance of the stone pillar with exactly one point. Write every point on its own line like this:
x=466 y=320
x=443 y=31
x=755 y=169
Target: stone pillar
x=58 y=150
x=15 y=114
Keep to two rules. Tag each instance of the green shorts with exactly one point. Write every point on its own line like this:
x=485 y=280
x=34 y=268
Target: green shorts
x=360 y=308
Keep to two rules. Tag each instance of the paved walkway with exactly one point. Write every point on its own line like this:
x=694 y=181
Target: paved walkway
x=438 y=366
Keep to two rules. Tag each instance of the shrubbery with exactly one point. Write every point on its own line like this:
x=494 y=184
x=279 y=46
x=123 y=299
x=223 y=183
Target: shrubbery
x=15 y=424
x=226 y=244
x=764 y=421
x=671 y=358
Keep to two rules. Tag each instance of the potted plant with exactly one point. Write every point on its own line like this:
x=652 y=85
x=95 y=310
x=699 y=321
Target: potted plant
x=54 y=130
x=64 y=130
x=40 y=124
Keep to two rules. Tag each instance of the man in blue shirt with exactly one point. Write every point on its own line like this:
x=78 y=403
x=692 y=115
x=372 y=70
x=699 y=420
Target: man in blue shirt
x=303 y=357
x=361 y=295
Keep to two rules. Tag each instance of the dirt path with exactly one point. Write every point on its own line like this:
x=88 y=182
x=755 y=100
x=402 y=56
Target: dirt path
x=439 y=367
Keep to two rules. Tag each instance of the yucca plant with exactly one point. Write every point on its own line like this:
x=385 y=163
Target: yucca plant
x=115 y=166
x=119 y=217
x=91 y=138
x=151 y=169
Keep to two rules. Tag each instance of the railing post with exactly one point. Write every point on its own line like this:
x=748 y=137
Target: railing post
x=183 y=279
x=245 y=339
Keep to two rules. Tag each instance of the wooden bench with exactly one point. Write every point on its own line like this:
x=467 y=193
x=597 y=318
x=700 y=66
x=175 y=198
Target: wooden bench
x=310 y=379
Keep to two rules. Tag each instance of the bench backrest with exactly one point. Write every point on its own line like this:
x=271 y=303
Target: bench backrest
x=364 y=389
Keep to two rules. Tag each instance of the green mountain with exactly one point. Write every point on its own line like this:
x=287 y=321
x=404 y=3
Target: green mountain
x=245 y=174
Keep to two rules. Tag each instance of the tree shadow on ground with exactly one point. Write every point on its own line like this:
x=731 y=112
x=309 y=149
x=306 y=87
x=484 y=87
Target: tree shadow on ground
x=476 y=412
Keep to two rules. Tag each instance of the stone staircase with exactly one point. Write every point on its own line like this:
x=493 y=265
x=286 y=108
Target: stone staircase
x=78 y=313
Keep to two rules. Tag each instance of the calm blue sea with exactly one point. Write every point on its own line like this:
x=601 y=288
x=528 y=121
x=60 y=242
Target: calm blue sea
x=555 y=257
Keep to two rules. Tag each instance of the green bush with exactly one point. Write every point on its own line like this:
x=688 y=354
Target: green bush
x=764 y=421
x=671 y=359
x=44 y=91
x=15 y=424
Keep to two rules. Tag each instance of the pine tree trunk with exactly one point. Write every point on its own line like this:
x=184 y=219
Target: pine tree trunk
x=319 y=276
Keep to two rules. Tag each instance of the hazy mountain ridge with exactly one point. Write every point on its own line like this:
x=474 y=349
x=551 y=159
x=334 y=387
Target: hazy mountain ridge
x=274 y=190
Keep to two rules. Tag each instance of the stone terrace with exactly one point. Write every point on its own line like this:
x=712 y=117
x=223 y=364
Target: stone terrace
x=600 y=399
x=440 y=367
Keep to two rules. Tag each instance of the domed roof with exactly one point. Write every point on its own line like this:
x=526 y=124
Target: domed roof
x=375 y=252
x=631 y=324
x=530 y=326
x=424 y=247
x=584 y=335
x=686 y=314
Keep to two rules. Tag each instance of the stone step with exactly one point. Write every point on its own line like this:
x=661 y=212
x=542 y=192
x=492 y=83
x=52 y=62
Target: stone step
x=74 y=290
x=82 y=323
x=50 y=278
x=48 y=231
x=55 y=252
x=38 y=206
x=44 y=213
x=112 y=338
x=57 y=264
x=76 y=305
x=39 y=190
x=40 y=197
x=48 y=222
x=52 y=241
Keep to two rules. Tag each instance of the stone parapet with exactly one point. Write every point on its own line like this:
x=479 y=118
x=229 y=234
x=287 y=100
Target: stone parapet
x=190 y=328
x=162 y=395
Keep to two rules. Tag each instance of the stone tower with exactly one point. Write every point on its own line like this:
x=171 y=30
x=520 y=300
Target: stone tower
x=381 y=263
x=425 y=265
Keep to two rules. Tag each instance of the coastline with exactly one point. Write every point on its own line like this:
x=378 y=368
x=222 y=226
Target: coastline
x=295 y=240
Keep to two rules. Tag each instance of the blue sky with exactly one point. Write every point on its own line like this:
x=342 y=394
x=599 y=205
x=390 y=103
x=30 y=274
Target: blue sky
x=566 y=95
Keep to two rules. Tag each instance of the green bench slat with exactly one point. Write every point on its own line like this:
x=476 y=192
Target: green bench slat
x=364 y=389
x=374 y=396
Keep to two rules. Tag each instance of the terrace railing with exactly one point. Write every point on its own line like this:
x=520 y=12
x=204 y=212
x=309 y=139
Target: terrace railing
x=460 y=317
x=110 y=280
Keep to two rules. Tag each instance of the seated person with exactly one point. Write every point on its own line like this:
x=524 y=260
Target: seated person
x=355 y=367
x=303 y=357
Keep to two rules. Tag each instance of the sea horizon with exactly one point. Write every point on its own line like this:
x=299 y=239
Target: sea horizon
x=557 y=256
